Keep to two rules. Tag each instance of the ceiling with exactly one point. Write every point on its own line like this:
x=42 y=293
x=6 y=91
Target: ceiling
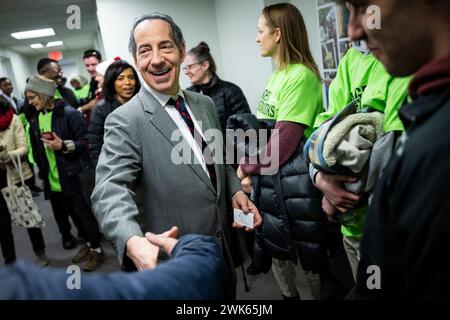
x=22 y=15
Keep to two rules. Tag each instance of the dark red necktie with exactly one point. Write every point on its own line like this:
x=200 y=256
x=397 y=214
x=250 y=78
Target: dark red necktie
x=180 y=106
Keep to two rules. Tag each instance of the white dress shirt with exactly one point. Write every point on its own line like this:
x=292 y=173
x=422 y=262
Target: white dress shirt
x=180 y=123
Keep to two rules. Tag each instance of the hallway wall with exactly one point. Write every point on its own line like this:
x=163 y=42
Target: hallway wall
x=229 y=27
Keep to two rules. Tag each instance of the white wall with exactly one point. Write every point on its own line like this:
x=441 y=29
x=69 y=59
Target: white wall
x=228 y=26
x=19 y=68
x=237 y=23
x=308 y=8
x=196 y=18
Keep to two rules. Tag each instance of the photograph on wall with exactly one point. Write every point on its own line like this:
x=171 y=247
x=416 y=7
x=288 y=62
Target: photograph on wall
x=329 y=54
x=327 y=23
x=322 y=2
x=344 y=45
x=342 y=17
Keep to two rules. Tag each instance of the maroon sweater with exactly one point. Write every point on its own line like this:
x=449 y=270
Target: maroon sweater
x=289 y=136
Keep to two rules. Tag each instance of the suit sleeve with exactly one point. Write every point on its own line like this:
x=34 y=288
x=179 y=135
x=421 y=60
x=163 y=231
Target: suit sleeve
x=78 y=142
x=118 y=168
x=196 y=271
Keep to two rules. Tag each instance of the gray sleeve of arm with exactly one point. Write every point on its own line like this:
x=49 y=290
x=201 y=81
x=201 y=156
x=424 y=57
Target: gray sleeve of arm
x=312 y=173
x=118 y=168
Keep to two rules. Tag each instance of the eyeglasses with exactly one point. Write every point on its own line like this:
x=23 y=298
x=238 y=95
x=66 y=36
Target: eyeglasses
x=189 y=66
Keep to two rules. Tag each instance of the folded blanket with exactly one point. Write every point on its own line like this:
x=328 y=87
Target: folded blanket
x=350 y=141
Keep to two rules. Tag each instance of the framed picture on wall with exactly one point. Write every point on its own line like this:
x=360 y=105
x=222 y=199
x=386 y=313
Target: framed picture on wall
x=342 y=17
x=344 y=45
x=329 y=54
x=327 y=23
x=322 y=2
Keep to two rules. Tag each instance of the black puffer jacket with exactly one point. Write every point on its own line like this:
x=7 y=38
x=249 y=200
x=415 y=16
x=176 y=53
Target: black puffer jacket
x=228 y=98
x=97 y=127
x=294 y=224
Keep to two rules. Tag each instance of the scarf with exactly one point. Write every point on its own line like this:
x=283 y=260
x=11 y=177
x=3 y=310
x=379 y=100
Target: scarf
x=6 y=118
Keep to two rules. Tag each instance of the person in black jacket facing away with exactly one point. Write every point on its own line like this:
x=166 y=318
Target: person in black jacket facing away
x=404 y=249
x=120 y=85
x=201 y=70
x=59 y=146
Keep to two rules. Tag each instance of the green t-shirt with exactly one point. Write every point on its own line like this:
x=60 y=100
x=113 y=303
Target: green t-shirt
x=292 y=94
x=45 y=124
x=363 y=76
x=82 y=93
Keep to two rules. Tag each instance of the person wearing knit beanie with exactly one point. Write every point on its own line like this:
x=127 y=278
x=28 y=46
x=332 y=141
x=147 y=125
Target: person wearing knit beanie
x=41 y=85
x=59 y=145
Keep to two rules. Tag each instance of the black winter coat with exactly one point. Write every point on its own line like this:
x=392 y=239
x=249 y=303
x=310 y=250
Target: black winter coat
x=97 y=127
x=407 y=229
x=294 y=225
x=68 y=96
x=68 y=124
x=228 y=98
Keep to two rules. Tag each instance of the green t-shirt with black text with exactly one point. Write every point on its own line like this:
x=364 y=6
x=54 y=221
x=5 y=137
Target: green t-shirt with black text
x=292 y=94
x=362 y=76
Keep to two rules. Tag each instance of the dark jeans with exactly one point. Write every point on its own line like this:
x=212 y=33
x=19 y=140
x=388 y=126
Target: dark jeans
x=6 y=236
x=74 y=205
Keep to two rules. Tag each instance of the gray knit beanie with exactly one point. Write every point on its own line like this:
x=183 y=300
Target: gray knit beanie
x=41 y=85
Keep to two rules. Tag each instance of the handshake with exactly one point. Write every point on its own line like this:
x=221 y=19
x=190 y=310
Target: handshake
x=143 y=251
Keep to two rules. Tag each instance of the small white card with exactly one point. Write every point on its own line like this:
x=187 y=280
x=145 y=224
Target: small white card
x=244 y=219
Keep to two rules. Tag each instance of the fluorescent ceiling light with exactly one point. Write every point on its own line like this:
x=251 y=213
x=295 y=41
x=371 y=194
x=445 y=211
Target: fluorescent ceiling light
x=36 y=45
x=33 y=34
x=54 y=43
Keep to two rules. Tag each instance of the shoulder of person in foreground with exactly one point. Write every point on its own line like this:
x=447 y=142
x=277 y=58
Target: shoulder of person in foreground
x=196 y=270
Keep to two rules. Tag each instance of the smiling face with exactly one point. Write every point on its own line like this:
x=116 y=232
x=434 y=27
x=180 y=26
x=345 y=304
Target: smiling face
x=267 y=38
x=157 y=57
x=195 y=70
x=125 y=85
x=403 y=42
x=53 y=71
x=90 y=64
x=34 y=99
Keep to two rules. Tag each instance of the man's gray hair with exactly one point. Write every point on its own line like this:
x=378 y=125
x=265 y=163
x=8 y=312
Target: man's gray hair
x=177 y=35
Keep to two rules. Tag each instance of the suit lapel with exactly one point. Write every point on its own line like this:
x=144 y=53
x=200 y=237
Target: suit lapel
x=164 y=123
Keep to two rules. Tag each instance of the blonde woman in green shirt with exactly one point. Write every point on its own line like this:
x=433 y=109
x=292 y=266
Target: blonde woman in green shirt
x=292 y=97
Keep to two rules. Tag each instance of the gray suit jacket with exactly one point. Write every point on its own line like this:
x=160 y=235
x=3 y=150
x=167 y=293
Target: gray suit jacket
x=139 y=188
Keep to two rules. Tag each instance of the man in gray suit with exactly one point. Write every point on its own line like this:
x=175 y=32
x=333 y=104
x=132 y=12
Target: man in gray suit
x=139 y=186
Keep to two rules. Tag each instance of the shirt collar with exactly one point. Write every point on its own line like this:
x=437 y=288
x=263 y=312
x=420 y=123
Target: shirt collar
x=163 y=98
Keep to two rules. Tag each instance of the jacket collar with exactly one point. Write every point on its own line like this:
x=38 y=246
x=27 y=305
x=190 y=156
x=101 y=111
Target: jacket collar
x=58 y=110
x=423 y=107
x=206 y=87
x=433 y=76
